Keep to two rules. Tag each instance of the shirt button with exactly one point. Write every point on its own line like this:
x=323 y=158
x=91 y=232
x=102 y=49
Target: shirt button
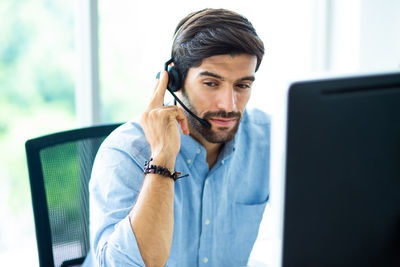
x=205 y=260
x=206 y=182
x=198 y=151
x=189 y=161
x=207 y=222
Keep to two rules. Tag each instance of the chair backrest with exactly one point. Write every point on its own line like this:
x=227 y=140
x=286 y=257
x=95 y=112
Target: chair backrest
x=59 y=168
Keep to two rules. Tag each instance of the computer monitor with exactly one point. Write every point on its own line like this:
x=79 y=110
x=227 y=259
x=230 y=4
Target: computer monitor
x=342 y=179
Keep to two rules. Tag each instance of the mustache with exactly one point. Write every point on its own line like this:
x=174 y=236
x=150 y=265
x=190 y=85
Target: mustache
x=223 y=114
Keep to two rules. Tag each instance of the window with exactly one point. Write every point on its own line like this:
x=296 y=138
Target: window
x=37 y=61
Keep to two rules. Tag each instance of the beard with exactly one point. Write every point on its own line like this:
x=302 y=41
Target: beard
x=219 y=136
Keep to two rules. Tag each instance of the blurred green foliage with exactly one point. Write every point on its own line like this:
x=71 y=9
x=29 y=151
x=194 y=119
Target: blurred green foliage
x=37 y=64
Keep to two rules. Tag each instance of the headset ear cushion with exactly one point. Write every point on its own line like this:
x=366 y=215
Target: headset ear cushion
x=175 y=80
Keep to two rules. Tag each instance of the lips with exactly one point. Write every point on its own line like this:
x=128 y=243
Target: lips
x=223 y=121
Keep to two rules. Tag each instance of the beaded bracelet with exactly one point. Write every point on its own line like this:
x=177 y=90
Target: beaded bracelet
x=148 y=168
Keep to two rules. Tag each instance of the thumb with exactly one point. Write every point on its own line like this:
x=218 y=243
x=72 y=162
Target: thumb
x=183 y=121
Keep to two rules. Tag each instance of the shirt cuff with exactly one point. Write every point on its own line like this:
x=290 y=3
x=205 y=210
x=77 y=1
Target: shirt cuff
x=124 y=244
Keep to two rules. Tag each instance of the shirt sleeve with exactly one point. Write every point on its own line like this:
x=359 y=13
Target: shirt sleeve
x=114 y=185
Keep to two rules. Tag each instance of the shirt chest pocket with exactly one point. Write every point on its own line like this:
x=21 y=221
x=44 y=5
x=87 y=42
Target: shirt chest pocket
x=241 y=231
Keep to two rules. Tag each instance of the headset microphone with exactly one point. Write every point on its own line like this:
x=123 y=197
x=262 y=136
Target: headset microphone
x=174 y=84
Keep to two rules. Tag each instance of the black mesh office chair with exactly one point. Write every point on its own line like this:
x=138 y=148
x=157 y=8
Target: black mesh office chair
x=59 y=167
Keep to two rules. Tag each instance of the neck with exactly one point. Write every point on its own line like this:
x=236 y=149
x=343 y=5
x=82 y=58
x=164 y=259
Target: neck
x=212 y=149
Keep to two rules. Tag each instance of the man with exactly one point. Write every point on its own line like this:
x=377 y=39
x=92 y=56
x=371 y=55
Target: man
x=141 y=216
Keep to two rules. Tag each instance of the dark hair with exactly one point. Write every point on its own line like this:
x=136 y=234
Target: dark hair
x=211 y=32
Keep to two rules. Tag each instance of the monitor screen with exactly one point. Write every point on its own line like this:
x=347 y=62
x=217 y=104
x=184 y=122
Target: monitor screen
x=342 y=180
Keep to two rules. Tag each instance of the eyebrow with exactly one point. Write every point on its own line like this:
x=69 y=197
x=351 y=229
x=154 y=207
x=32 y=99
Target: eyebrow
x=207 y=73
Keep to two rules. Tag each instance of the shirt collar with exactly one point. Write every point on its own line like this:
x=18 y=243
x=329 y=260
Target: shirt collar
x=190 y=148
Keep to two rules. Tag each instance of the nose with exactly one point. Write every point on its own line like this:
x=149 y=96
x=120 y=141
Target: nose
x=226 y=99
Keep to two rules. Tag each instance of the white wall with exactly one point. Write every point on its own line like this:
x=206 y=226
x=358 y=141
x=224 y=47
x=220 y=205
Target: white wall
x=380 y=35
x=365 y=36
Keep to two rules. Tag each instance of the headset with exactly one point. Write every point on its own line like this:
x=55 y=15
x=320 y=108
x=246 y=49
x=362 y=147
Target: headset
x=174 y=84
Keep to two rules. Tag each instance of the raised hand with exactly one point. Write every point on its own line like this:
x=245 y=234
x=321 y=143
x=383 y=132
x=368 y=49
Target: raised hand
x=160 y=125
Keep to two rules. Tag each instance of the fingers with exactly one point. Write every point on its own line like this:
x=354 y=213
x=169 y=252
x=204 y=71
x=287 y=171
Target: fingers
x=157 y=83
x=169 y=114
x=157 y=99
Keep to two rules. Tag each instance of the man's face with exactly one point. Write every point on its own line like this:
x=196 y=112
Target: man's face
x=218 y=91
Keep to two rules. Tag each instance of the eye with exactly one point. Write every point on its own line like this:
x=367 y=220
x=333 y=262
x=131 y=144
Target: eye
x=210 y=84
x=243 y=85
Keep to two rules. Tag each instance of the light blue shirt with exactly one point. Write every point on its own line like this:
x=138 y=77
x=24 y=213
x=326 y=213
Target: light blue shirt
x=217 y=212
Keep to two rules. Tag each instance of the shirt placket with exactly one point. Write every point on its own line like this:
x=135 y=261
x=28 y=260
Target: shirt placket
x=205 y=248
